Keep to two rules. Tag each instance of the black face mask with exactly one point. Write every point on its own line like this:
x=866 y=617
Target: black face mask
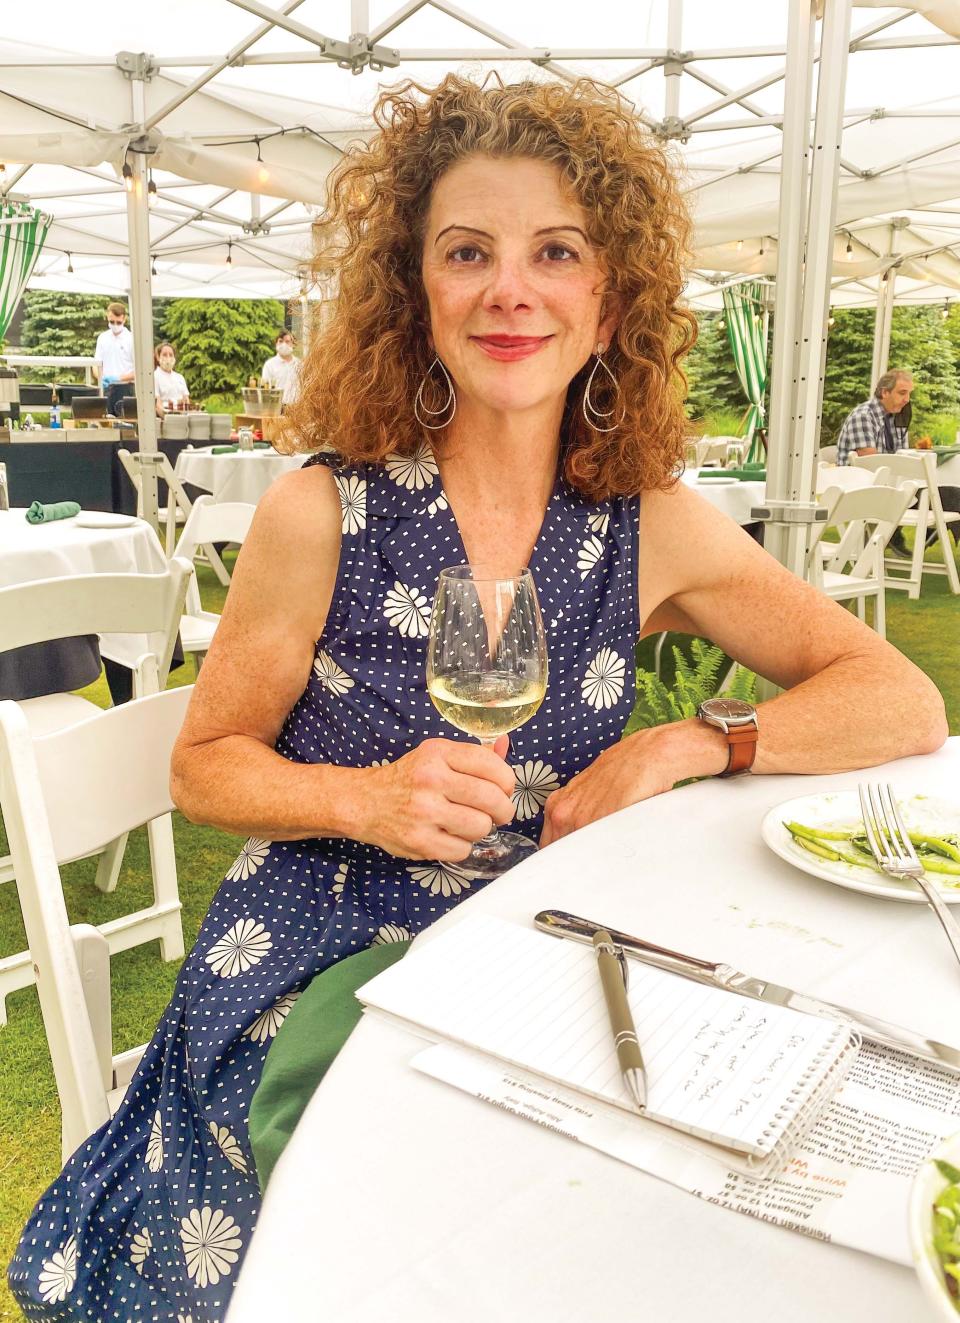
x=902 y=419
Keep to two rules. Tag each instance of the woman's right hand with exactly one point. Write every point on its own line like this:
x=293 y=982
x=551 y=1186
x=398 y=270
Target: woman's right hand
x=435 y=801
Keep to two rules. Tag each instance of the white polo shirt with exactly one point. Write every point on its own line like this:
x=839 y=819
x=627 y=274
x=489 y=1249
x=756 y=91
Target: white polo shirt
x=114 y=353
x=283 y=374
x=169 y=385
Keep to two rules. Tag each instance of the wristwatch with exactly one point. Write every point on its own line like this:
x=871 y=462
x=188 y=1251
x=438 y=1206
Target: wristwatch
x=738 y=721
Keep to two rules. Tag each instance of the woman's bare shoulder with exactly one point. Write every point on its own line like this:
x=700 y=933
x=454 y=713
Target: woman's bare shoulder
x=300 y=507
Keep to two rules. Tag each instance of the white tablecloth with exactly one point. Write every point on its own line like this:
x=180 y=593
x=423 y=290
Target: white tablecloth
x=735 y=499
x=243 y=475
x=400 y=1198
x=52 y=551
x=948 y=473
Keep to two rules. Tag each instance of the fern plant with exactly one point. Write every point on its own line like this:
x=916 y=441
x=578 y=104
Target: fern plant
x=696 y=680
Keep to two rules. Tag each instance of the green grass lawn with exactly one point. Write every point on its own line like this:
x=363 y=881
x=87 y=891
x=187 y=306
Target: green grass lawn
x=927 y=630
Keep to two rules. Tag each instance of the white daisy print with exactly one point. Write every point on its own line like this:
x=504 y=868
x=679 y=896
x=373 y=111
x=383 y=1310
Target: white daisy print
x=184 y=1318
x=210 y=1243
x=140 y=1250
x=590 y=553
x=229 y=1147
x=597 y=522
x=155 y=1144
x=603 y=682
x=439 y=504
x=330 y=675
x=340 y=879
x=413 y=471
x=390 y=932
x=353 y=502
x=240 y=949
x=249 y=859
x=407 y=610
x=535 y=781
x=267 y=1024
x=441 y=879
x=58 y=1275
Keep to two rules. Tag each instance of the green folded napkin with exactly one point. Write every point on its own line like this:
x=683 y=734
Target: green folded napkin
x=232 y=450
x=45 y=514
x=945 y=452
x=742 y=475
x=303 y=1051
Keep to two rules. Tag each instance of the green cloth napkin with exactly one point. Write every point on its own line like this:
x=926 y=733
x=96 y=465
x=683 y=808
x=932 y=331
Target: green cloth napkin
x=303 y=1051
x=45 y=514
x=232 y=450
x=742 y=475
x=945 y=452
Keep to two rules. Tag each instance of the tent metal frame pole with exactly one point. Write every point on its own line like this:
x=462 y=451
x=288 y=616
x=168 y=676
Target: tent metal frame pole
x=882 y=326
x=672 y=68
x=789 y=279
x=141 y=310
x=796 y=475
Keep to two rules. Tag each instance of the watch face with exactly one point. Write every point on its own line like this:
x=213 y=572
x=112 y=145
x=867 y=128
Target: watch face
x=729 y=709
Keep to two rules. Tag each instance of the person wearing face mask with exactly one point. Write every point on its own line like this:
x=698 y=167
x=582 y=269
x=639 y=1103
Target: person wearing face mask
x=282 y=372
x=169 y=387
x=113 y=356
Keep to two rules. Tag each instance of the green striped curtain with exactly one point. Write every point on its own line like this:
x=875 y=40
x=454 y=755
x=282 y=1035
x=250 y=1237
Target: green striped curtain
x=22 y=232
x=746 y=332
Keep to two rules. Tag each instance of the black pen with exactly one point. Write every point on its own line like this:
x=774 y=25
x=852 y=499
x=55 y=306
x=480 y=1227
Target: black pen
x=613 y=977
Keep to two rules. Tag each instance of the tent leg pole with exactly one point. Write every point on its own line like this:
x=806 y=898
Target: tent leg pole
x=141 y=310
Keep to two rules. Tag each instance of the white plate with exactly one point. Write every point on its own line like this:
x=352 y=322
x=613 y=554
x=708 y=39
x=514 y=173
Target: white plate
x=840 y=809
x=716 y=482
x=104 y=519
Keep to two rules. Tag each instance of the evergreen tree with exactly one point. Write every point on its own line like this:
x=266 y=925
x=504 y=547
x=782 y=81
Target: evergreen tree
x=847 y=377
x=221 y=342
x=952 y=327
x=711 y=373
x=919 y=341
x=63 y=325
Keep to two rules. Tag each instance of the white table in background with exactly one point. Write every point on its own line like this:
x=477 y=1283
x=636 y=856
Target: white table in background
x=241 y=475
x=735 y=499
x=401 y=1198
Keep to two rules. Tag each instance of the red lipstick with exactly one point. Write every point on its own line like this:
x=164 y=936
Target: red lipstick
x=510 y=348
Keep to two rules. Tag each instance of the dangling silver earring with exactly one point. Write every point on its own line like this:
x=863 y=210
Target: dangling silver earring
x=590 y=408
x=420 y=408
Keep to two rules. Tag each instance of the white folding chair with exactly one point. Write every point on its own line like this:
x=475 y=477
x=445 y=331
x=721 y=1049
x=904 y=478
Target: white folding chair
x=854 y=571
x=179 y=504
x=928 y=515
x=146 y=607
x=208 y=521
x=827 y=454
x=65 y=795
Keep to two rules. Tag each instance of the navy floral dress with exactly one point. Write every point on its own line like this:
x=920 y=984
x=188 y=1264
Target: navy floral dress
x=151 y=1217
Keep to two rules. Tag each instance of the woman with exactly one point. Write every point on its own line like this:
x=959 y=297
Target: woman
x=169 y=387
x=509 y=265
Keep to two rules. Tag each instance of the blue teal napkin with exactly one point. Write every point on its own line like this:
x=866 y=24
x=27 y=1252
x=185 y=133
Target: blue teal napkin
x=45 y=514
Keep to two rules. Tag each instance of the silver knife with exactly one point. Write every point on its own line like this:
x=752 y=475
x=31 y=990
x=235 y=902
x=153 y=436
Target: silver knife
x=561 y=924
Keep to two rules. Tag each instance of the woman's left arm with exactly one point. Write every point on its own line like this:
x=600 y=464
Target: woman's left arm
x=850 y=699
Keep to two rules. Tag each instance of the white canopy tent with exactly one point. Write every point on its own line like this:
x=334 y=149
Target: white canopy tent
x=240 y=130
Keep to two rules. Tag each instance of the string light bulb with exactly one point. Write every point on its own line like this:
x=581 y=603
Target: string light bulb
x=763 y=243
x=831 y=320
x=945 y=310
x=263 y=174
x=69 y=265
x=151 y=192
x=849 y=249
x=229 y=252
x=153 y=266
x=3 y=173
x=127 y=177
x=739 y=245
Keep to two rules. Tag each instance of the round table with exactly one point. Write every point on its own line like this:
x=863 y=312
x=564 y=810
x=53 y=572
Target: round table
x=735 y=499
x=62 y=549
x=240 y=475
x=401 y=1198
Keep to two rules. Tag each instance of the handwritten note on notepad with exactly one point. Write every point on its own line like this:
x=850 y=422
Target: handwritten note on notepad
x=726 y=1069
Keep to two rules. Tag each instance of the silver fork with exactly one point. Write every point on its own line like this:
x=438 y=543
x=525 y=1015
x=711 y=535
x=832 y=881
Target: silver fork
x=894 y=852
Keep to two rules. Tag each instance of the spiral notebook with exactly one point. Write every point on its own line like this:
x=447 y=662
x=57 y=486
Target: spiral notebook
x=734 y=1072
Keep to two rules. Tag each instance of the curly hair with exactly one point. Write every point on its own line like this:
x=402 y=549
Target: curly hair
x=362 y=374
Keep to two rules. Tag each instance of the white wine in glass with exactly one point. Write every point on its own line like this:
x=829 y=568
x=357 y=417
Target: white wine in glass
x=487 y=675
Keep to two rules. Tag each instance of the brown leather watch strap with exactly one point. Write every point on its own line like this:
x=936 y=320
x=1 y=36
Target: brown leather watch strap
x=742 y=743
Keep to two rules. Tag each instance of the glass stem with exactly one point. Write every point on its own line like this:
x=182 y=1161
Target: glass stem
x=493 y=834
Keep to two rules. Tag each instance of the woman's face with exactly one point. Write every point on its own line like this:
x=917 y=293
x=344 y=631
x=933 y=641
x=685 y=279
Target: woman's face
x=167 y=359
x=513 y=285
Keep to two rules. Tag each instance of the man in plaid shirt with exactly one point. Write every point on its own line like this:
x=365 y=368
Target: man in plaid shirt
x=871 y=428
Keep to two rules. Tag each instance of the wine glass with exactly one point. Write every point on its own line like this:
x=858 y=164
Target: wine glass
x=487 y=674
x=734 y=459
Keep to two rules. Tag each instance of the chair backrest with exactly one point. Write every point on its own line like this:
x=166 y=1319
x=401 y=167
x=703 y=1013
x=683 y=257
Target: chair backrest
x=828 y=454
x=65 y=794
x=127 y=407
x=867 y=517
x=846 y=477
x=89 y=406
x=149 y=604
x=918 y=468
x=211 y=521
